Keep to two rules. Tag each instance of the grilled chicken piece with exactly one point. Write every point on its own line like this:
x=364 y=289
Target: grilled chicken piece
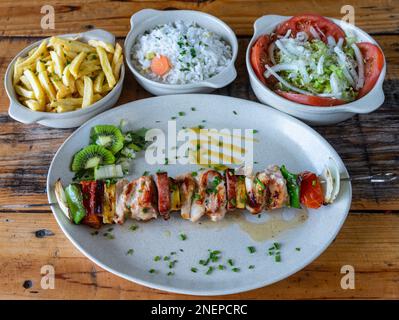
x=212 y=194
x=141 y=198
x=164 y=203
x=257 y=192
x=187 y=188
x=231 y=188
x=278 y=194
x=120 y=208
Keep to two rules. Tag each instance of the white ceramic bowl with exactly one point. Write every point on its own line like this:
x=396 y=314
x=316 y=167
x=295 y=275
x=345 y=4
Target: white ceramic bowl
x=71 y=119
x=147 y=19
x=313 y=115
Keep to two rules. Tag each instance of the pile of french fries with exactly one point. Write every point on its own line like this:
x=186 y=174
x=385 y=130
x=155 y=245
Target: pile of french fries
x=63 y=75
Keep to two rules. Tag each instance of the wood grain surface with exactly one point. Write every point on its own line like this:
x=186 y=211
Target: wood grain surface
x=368 y=144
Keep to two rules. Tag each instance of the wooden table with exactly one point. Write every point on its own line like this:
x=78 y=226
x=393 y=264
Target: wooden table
x=369 y=239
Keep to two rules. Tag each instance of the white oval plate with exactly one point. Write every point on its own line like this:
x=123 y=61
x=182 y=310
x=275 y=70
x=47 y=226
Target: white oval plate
x=282 y=140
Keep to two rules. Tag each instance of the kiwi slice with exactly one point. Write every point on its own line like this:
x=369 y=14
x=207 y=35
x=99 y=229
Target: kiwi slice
x=91 y=157
x=108 y=136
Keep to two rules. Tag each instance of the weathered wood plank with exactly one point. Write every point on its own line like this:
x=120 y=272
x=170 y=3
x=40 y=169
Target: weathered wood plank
x=367 y=143
x=380 y=16
x=369 y=243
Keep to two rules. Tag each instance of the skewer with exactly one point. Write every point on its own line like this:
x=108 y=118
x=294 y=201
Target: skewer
x=383 y=177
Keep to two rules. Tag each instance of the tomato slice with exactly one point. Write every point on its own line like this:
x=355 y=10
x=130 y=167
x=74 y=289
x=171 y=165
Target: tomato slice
x=310 y=100
x=311 y=194
x=373 y=64
x=323 y=26
x=259 y=56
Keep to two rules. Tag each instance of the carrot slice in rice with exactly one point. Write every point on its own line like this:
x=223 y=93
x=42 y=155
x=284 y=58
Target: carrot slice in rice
x=160 y=65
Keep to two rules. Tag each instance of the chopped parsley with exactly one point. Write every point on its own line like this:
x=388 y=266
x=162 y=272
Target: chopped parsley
x=183 y=236
x=129 y=252
x=251 y=249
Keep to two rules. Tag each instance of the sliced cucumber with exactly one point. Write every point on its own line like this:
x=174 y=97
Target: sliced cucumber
x=108 y=172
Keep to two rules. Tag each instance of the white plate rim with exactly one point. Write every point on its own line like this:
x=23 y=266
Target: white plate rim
x=308 y=260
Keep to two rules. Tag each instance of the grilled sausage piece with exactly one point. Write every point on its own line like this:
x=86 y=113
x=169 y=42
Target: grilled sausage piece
x=162 y=183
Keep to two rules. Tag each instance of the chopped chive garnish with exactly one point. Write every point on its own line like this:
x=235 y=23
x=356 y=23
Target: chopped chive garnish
x=235 y=112
x=173 y=118
x=298 y=249
x=221 y=267
x=251 y=249
x=230 y=262
x=235 y=269
x=194 y=269
x=157 y=258
x=181 y=113
x=193 y=109
x=145 y=173
x=152 y=271
x=166 y=258
x=194 y=174
x=251 y=266
x=94 y=233
x=110 y=229
x=277 y=245
x=133 y=227
x=173 y=253
x=201 y=126
x=172 y=264
x=129 y=252
x=277 y=258
x=170 y=273
x=209 y=271
x=255 y=131
x=182 y=236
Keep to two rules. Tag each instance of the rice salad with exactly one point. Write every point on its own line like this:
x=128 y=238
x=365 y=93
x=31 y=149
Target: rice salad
x=180 y=53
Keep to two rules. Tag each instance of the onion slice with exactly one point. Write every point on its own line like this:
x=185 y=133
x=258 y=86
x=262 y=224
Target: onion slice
x=61 y=198
x=360 y=66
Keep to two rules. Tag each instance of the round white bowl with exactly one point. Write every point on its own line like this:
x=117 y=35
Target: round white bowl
x=147 y=19
x=313 y=115
x=71 y=119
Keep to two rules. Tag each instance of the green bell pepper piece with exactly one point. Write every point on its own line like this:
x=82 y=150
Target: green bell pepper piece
x=292 y=187
x=74 y=198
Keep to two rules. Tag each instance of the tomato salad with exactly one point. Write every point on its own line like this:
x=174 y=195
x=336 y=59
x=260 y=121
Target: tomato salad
x=310 y=60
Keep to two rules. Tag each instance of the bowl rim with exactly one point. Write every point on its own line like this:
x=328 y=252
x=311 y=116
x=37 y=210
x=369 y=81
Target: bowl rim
x=203 y=83
x=45 y=115
x=347 y=107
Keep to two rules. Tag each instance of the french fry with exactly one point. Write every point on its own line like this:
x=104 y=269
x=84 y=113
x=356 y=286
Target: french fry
x=34 y=56
x=36 y=87
x=47 y=86
x=34 y=105
x=72 y=45
x=88 y=70
x=116 y=69
x=68 y=79
x=58 y=63
x=80 y=86
x=106 y=66
x=25 y=82
x=75 y=64
x=98 y=82
x=88 y=92
x=76 y=102
x=40 y=66
x=17 y=71
x=24 y=93
x=117 y=55
x=106 y=46
x=62 y=90
x=66 y=108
